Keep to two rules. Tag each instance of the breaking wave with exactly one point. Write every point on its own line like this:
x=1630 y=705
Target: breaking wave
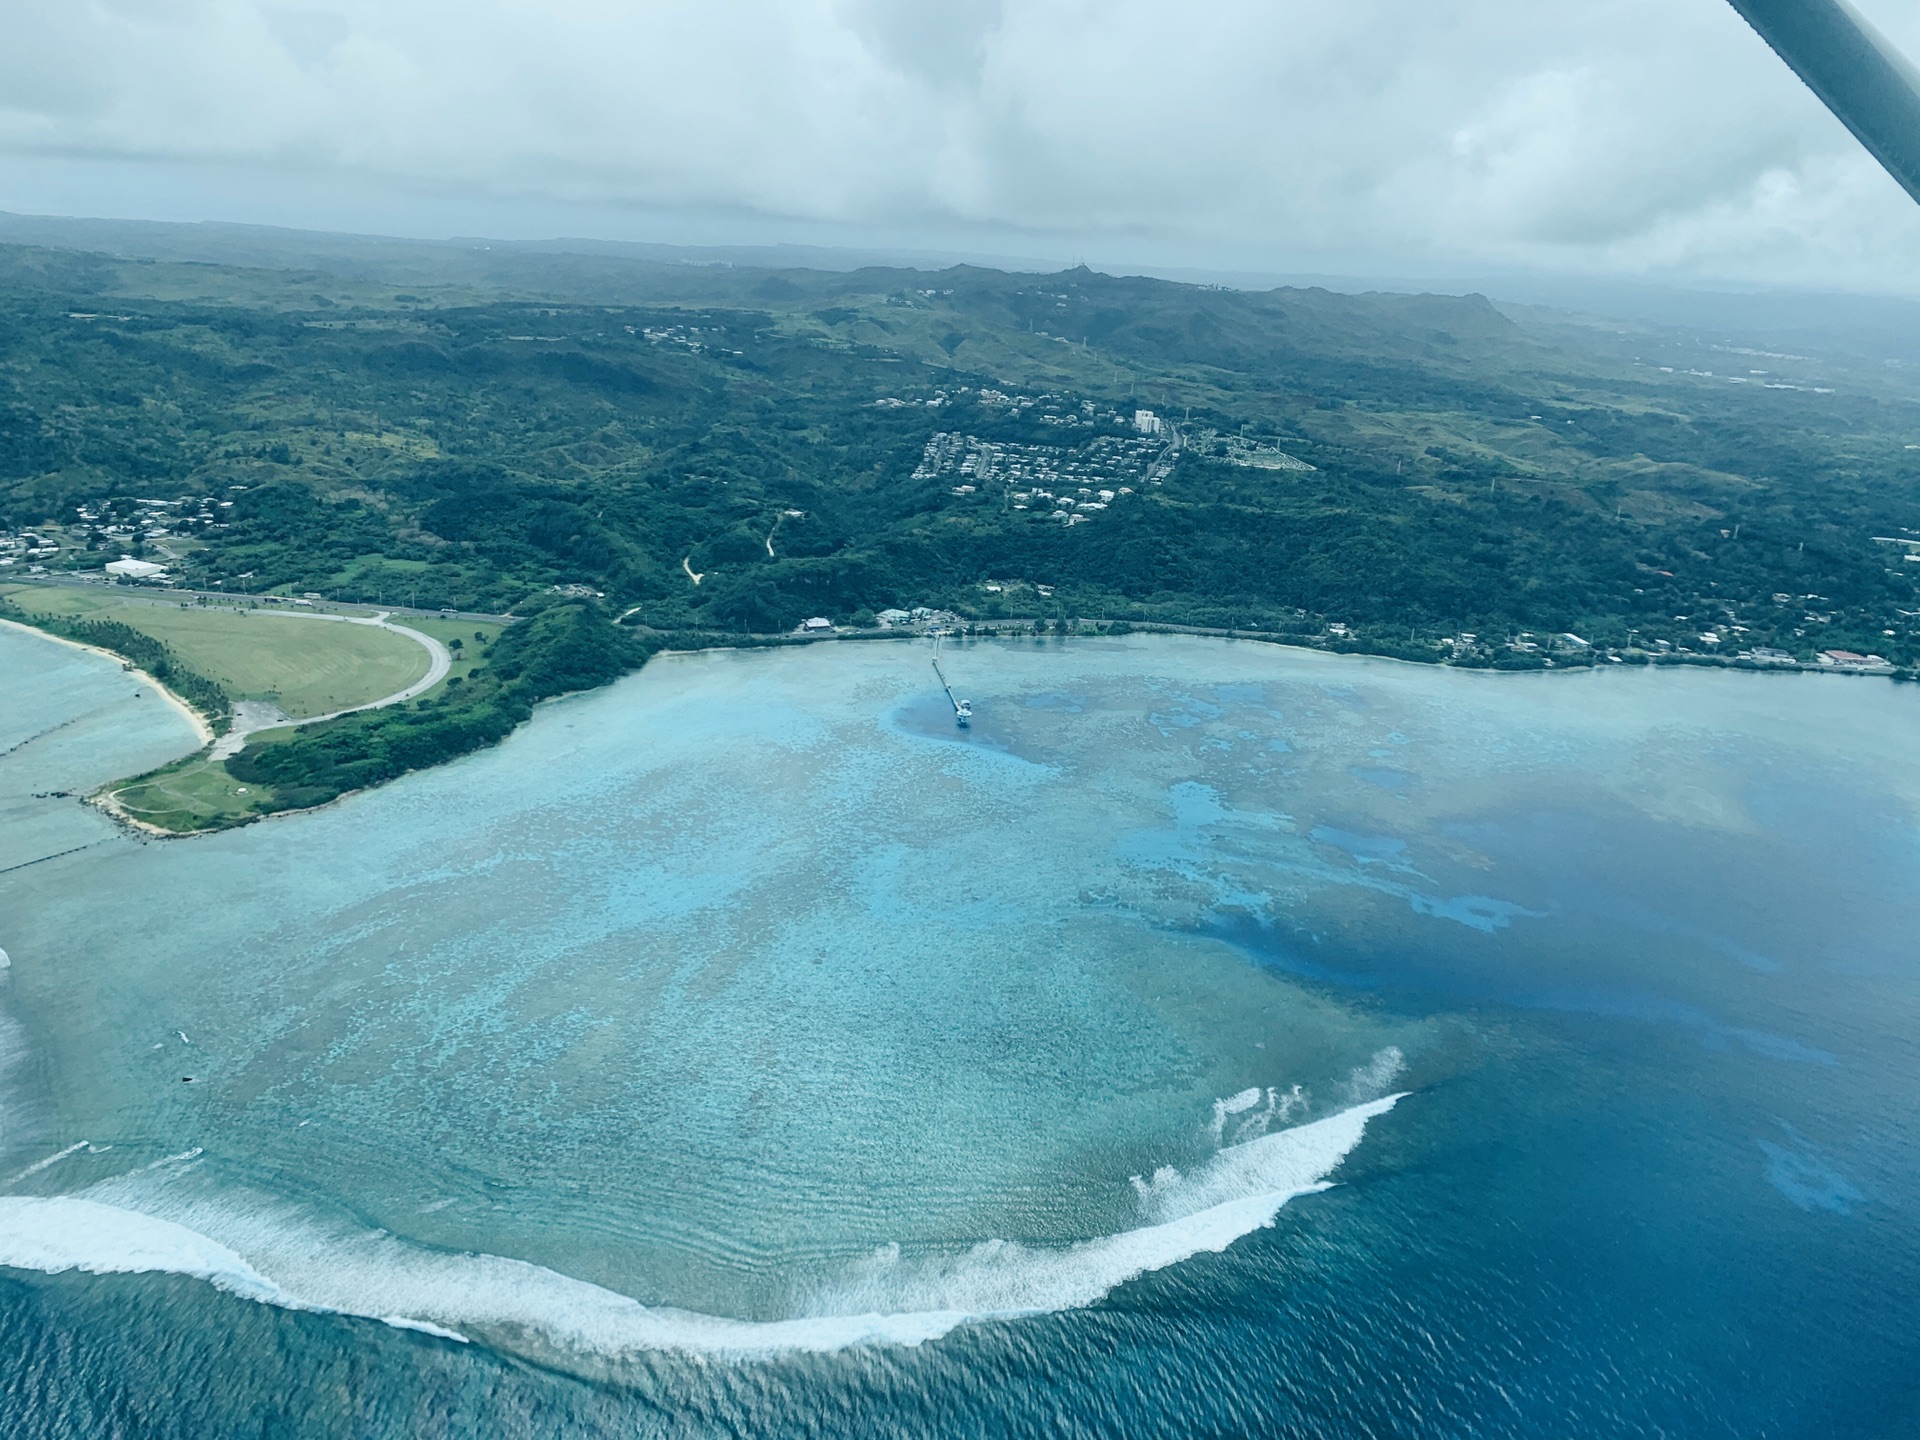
x=278 y=1257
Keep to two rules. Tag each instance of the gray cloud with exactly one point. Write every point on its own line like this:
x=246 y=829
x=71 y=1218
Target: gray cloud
x=943 y=43
x=310 y=36
x=1635 y=136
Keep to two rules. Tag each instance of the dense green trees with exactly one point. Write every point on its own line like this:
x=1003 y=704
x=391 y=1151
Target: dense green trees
x=623 y=430
x=561 y=649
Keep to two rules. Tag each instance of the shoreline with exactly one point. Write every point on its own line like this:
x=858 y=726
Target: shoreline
x=106 y=798
x=969 y=628
x=106 y=802
x=199 y=722
x=102 y=799
x=990 y=630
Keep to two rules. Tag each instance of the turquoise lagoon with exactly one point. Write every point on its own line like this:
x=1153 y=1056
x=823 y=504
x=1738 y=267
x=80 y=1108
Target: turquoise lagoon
x=1230 y=1015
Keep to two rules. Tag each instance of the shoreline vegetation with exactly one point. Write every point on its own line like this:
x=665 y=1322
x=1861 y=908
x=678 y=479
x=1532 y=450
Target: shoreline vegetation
x=560 y=649
x=632 y=455
x=193 y=717
x=555 y=651
x=154 y=660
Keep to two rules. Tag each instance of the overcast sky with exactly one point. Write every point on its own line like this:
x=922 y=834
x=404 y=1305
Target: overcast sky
x=1405 y=137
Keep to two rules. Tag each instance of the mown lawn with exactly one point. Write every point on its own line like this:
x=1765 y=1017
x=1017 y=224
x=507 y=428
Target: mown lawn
x=192 y=794
x=306 y=666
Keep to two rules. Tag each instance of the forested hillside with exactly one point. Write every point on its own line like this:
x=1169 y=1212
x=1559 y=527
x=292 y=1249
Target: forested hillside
x=733 y=450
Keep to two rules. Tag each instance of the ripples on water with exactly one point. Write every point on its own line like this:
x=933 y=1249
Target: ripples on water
x=754 y=992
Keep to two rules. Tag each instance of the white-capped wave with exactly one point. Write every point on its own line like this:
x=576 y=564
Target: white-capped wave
x=70 y=1233
x=1282 y=1164
x=1239 y=1190
x=425 y=1327
x=275 y=1255
x=1233 y=1105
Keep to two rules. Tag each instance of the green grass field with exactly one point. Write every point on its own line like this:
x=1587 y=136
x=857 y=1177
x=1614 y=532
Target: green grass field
x=305 y=666
x=191 y=794
x=469 y=642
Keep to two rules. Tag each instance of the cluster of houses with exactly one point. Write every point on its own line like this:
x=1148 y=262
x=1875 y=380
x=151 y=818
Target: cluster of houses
x=122 y=524
x=27 y=547
x=687 y=337
x=1068 y=484
x=155 y=522
x=1248 y=453
x=158 y=519
x=1467 y=644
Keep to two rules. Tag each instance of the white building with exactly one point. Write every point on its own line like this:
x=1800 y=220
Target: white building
x=134 y=569
x=1146 y=422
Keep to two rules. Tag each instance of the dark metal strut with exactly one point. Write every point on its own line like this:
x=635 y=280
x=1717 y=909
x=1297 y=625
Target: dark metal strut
x=1867 y=83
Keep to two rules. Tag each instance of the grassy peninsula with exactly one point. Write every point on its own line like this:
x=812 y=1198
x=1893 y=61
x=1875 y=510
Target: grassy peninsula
x=499 y=674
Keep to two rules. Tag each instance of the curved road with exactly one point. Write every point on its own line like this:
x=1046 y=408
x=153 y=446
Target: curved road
x=440 y=661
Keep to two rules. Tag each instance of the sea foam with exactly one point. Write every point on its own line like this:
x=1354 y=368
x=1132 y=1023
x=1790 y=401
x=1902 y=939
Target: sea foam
x=277 y=1256
x=71 y=1233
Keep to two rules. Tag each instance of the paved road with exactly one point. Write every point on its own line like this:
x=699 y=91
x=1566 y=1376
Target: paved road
x=267 y=602
x=249 y=719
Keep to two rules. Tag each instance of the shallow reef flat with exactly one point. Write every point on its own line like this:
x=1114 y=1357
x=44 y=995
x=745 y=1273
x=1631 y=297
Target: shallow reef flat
x=748 y=1009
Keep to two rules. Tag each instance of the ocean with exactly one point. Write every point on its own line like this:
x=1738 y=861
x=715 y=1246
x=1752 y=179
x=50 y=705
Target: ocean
x=1215 y=1039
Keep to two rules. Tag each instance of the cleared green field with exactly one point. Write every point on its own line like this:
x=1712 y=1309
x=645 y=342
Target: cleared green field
x=191 y=794
x=468 y=642
x=304 y=665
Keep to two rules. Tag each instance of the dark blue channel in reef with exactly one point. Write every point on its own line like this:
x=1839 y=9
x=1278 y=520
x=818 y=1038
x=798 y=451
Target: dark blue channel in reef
x=1648 y=943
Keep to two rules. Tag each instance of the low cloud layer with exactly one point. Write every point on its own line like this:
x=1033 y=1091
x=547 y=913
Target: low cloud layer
x=1654 y=137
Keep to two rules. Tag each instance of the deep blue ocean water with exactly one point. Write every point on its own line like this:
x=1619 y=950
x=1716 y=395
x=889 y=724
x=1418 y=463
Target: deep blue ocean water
x=743 y=1051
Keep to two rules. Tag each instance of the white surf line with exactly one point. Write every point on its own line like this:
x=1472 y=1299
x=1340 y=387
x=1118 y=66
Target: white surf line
x=440 y=661
x=687 y=565
x=125 y=1226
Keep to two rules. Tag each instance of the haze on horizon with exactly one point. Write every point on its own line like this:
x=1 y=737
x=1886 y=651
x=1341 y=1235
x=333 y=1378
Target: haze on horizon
x=1650 y=139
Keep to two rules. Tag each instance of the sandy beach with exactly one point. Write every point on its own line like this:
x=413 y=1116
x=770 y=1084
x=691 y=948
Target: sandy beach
x=193 y=716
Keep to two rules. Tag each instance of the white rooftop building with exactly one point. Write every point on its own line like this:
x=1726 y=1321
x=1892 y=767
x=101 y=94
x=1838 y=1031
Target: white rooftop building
x=135 y=569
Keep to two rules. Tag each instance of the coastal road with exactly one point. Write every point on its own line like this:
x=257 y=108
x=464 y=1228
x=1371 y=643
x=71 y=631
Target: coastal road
x=234 y=597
